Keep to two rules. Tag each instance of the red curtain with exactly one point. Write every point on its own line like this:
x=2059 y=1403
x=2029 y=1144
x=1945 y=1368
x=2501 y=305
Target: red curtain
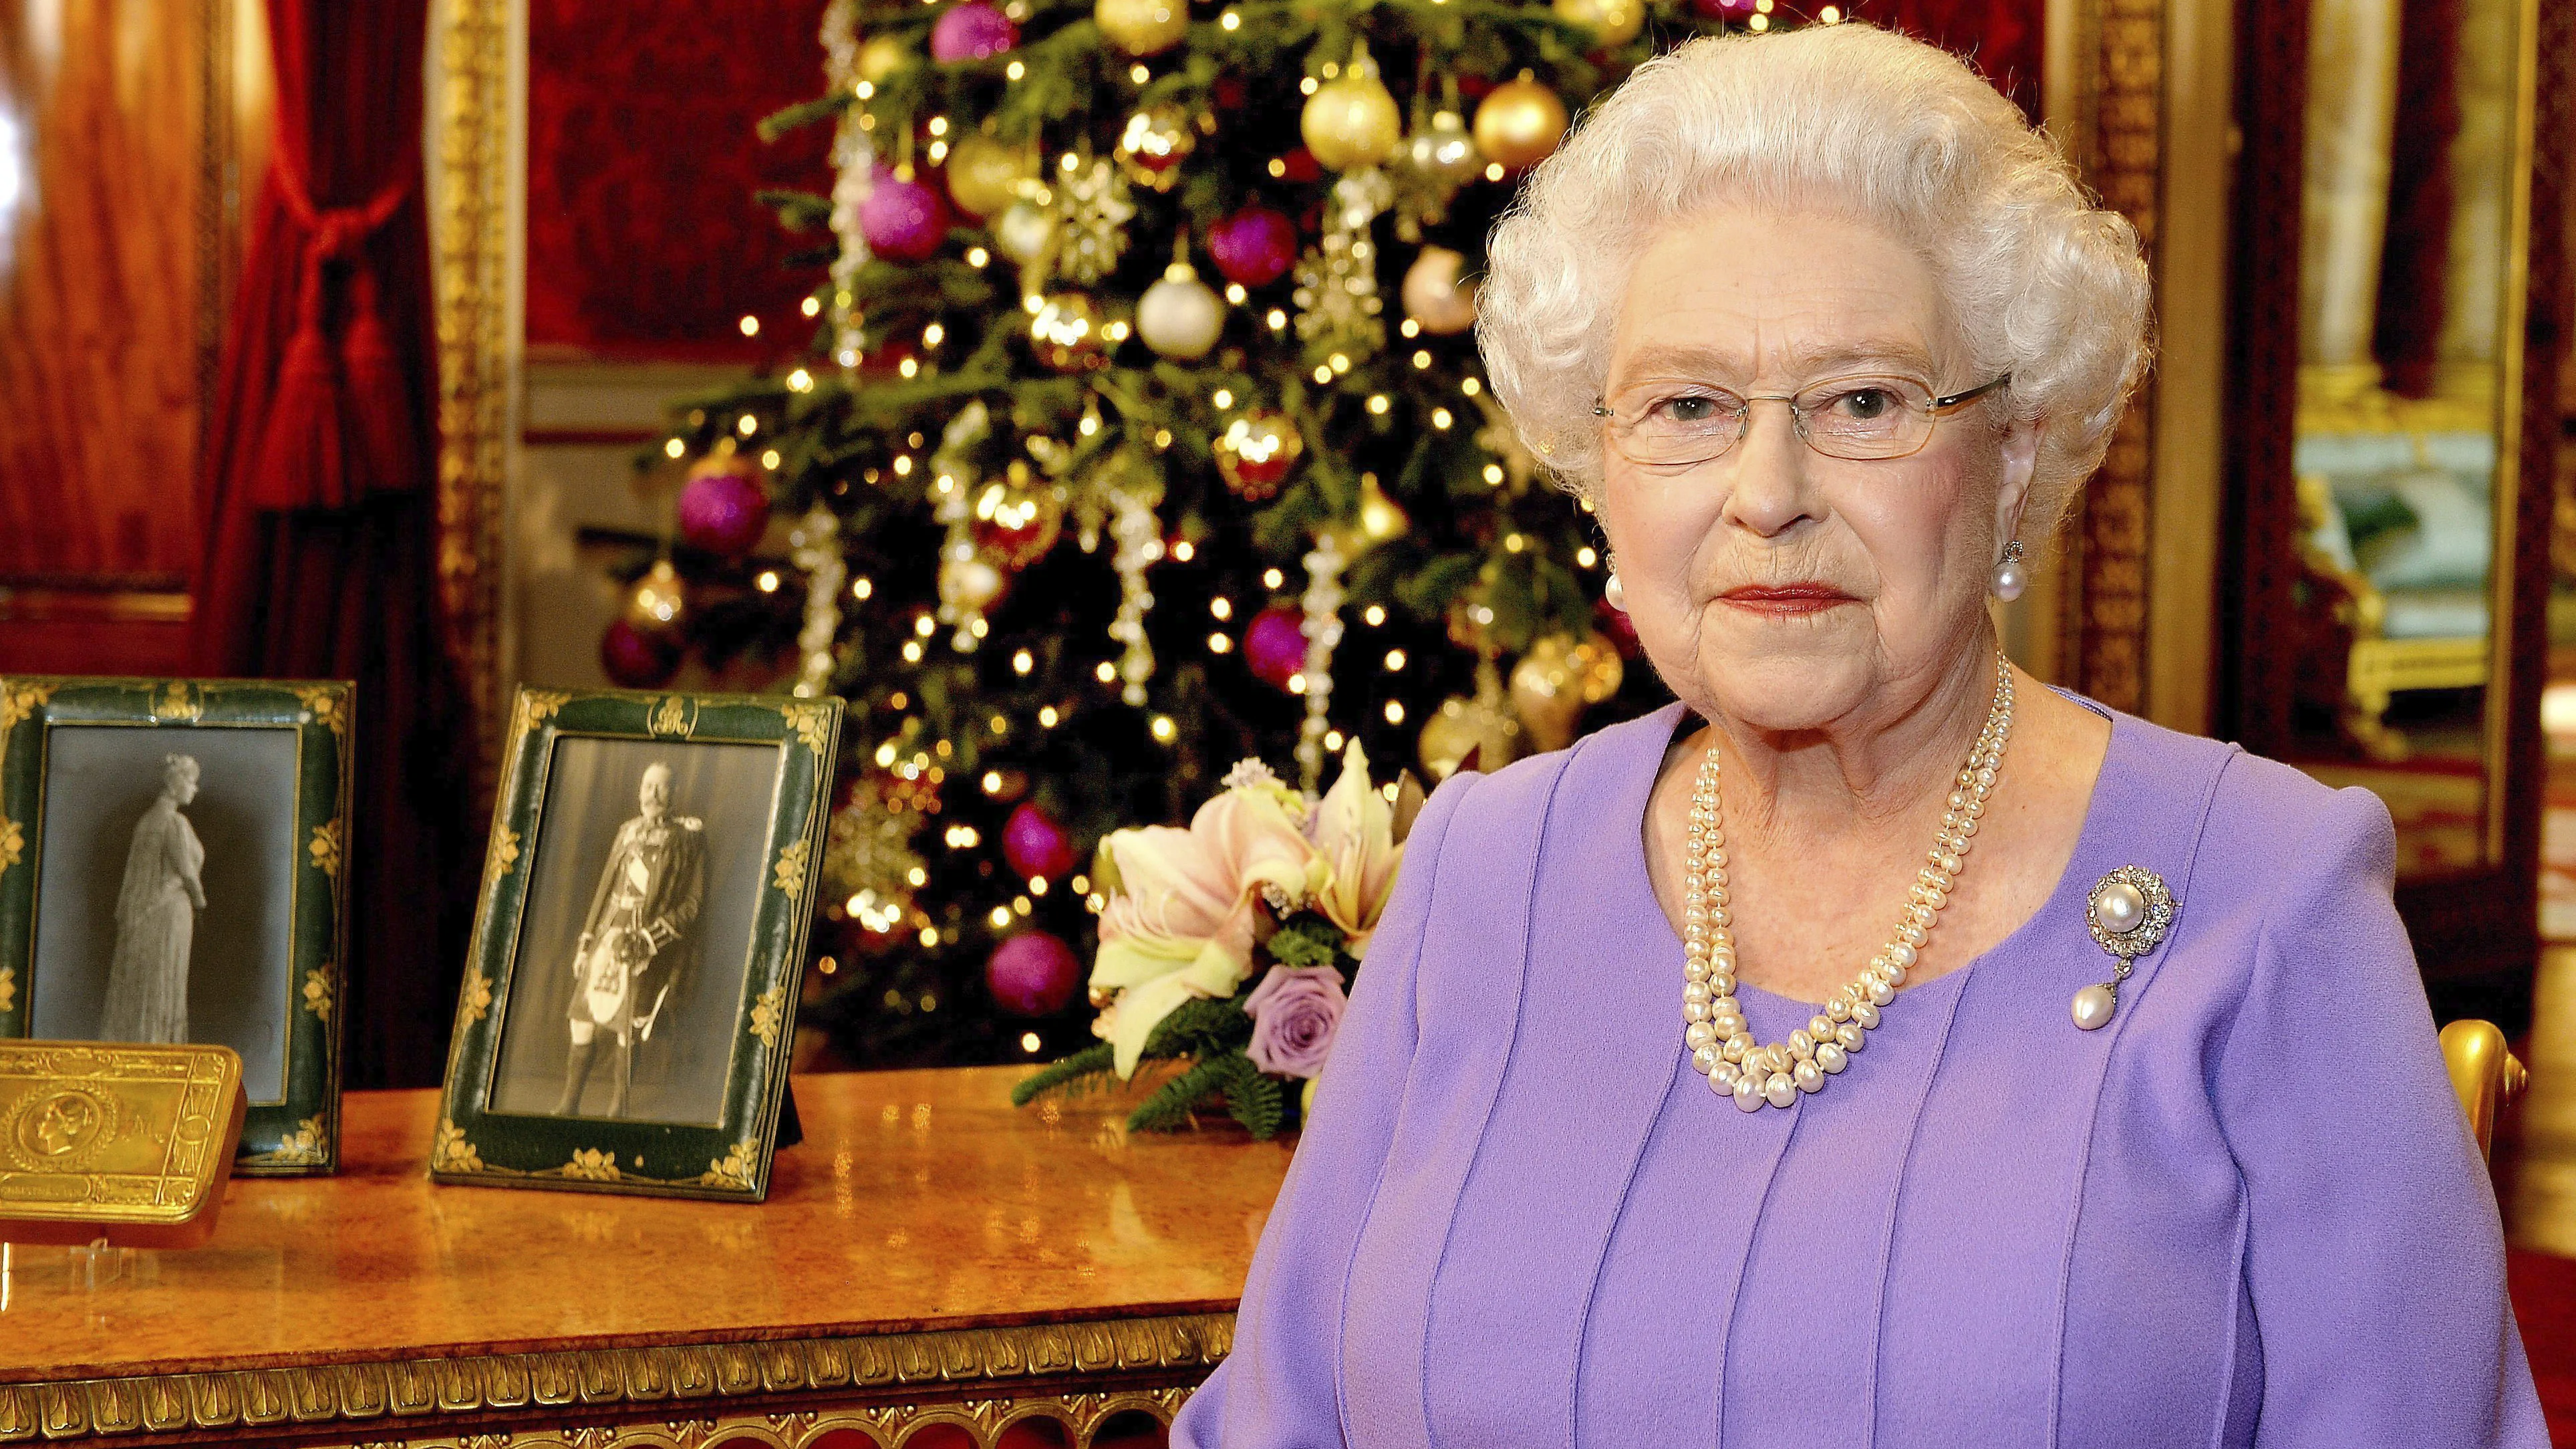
x=2415 y=257
x=321 y=527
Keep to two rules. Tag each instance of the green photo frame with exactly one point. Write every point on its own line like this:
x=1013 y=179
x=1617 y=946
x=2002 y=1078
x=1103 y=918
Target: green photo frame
x=630 y=999
x=146 y=899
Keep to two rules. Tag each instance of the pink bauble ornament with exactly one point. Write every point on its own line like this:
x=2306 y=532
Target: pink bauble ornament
x=903 y=221
x=1033 y=974
x=724 y=511
x=1274 y=647
x=636 y=658
x=1035 y=845
x=1255 y=246
x=972 y=31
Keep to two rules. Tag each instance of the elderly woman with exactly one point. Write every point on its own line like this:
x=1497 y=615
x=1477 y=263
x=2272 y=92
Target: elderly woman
x=1877 y=1046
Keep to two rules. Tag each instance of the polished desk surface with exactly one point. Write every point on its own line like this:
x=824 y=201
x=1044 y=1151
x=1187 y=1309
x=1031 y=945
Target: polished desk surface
x=918 y=1200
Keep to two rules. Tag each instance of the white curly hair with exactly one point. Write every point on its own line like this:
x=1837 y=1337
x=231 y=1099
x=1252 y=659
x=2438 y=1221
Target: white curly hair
x=2040 y=282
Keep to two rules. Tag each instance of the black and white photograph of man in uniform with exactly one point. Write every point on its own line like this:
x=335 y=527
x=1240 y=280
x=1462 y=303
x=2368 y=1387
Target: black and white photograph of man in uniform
x=625 y=999
x=639 y=941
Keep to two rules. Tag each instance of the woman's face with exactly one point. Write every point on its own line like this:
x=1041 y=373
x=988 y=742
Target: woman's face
x=1773 y=584
x=183 y=787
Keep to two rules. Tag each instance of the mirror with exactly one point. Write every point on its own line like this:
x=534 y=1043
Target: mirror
x=2411 y=227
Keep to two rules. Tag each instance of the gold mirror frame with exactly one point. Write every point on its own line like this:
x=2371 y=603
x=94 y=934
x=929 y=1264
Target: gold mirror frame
x=477 y=83
x=2475 y=930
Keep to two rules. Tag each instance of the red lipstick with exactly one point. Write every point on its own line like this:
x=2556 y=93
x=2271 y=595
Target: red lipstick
x=1786 y=600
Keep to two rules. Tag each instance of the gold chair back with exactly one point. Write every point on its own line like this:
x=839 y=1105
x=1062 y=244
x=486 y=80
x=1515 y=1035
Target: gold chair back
x=2483 y=1072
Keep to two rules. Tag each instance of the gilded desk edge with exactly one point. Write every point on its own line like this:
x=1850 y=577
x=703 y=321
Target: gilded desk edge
x=957 y=1363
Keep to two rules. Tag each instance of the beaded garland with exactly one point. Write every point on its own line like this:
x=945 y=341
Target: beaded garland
x=1713 y=1027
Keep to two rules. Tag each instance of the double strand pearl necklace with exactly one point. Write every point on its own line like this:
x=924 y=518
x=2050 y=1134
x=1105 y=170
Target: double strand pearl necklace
x=1713 y=1027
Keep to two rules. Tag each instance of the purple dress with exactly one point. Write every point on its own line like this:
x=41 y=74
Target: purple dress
x=2246 y=1212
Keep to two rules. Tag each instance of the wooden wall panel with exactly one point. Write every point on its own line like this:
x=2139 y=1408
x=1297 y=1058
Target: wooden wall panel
x=117 y=165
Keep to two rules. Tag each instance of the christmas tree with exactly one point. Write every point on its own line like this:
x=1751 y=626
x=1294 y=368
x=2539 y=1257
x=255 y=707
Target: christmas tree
x=1143 y=431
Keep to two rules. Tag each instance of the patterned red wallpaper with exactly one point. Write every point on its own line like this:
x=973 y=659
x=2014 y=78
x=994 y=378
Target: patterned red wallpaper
x=2002 y=38
x=643 y=240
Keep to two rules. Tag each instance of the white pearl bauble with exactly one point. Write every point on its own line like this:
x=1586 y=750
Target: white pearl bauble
x=2120 y=907
x=1023 y=231
x=1748 y=1093
x=1780 y=1091
x=1807 y=1077
x=1433 y=297
x=1831 y=1057
x=1706 y=1060
x=1615 y=594
x=2093 y=1007
x=1180 y=316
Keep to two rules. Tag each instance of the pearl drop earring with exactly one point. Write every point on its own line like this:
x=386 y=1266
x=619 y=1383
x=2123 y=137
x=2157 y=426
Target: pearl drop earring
x=1616 y=593
x=2010 y=577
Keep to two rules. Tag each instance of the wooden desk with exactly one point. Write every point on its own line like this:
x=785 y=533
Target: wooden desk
x=930 y=1256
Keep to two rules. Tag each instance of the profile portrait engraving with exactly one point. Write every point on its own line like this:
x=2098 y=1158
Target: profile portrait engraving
x=156 y=916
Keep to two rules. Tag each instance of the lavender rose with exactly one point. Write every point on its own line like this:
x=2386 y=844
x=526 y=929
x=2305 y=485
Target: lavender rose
x=1295 y=1011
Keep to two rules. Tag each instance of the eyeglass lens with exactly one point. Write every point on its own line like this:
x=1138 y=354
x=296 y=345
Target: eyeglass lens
x=1858 y=418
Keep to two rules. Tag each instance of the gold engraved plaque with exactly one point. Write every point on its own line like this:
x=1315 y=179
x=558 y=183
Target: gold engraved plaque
x=126 y=1142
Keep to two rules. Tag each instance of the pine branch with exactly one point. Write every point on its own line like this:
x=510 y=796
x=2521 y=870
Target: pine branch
x=796 y=210
x=1200 y=1028
x=1169 y=1110
x=1070 y=1075
x=804 y=113
x=1307 y=941
x=1255 y=1098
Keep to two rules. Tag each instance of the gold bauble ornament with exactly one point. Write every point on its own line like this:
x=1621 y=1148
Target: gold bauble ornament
x=1551 y=685
x=1143 y=27
x=882 y=56
x=970 y=582
x=1519 y=123
x=1598 y=671
x=985 y=175
x=1612 y=22
x=1153 y=145
x=1024 y=231
x=1377 y=520
x=1256 y=452
x=1464 y=727
x=1351 y=121
x=1068 y=334
x=1433 y=297
x=659 y=600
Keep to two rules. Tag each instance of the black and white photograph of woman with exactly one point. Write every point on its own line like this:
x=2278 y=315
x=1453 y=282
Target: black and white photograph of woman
x=156 y=916
x=165 y=891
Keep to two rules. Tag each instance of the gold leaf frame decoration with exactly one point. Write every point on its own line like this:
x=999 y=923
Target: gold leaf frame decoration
x=788 y=874
x=765 y=1016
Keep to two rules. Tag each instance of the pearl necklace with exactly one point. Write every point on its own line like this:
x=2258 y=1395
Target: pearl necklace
x=1713 y=1026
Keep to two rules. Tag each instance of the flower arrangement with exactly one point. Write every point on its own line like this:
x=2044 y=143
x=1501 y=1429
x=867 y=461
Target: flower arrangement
x=1231 y=946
